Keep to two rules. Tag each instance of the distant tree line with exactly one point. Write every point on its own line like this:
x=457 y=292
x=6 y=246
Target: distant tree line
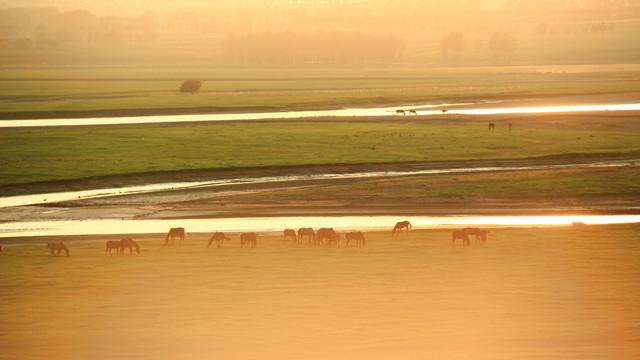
x=317 y=48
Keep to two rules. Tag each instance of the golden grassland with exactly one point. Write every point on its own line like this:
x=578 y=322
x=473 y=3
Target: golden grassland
x=559 y=292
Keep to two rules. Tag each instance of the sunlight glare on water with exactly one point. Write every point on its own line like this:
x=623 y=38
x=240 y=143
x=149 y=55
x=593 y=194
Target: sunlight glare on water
x=277 y=224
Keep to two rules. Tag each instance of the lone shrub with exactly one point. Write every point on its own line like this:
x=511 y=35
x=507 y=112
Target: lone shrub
x=190 y=86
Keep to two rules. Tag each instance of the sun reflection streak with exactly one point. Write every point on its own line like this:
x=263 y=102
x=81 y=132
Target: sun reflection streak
x=276 y=224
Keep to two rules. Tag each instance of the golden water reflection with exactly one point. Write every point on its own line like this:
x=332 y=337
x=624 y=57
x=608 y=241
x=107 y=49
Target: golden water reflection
x=277 y=224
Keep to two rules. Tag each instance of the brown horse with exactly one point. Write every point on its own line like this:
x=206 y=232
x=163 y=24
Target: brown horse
x=112 y=244
x=444 y=111
x=129 y=243
x=219 y=238
x=400 y=112
x=480 y=234
x=57 y=246
x=333 y=240
x=248 y=237
x=173 y=232
x=492 y=126
x=401 y=225
x=326 y=233
x=357 y=237
x=291 y=233
x=510 y=125
x=307 y=232
x=413 y=112
x=462 y=236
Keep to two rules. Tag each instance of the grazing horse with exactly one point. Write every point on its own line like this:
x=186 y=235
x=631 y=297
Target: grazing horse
x=291 y=233
x=219 y=238
x=307 y=232
x=355 y=236
x=413 y=112
x=444 y=111
x=510 y=125
x=59 y=246
x=333 y=240
x=112 y=244
x=401 y=225
x=326 y=233
x=480 y=234
x=492 y=126
x=173 y=232
x=462 y=236
x=248 y=237
x=400 y=112
x=129 y=243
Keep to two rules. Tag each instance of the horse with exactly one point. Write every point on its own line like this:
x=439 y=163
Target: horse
x=291 y=233
x=400 y=112
x=444 y=111
x=413 y=112
x=401 y=225
x=112 y=244
x=219 y=238
x=173 y=232
x=355 y=236
x=59 y=246
x=462 y=236
x=480 y=234
x=492 y=126
x=326 y=233
x=333 y=239
x=249 y=237
x=306 y=232
x=129 y=243
x=510 y=125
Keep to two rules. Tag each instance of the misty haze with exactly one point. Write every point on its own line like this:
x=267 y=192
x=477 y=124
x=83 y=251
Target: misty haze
x=320 y=179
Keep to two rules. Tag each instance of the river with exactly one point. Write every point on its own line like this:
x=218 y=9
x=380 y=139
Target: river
x=428 y=109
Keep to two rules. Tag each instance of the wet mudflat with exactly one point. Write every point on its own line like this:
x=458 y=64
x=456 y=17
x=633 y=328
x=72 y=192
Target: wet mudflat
x=528 y=293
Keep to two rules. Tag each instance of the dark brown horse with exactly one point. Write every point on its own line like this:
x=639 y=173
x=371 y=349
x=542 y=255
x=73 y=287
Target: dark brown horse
x=173 y=232
x=479 y=234
x=326 y=233
x=129 y=243
x=510 y=125
x=112 y=244
x=401 y=225
x=250 y=238
x=57 y=246
x=308 y=232
x=289 y=233
x=355 y=236
x=400 y=112
x=492 y=126
x=219 y=238
x=413 y=112
x=457 y=234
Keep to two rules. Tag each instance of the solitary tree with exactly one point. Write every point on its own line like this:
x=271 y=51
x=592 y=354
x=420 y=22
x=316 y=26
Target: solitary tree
x=190 y=86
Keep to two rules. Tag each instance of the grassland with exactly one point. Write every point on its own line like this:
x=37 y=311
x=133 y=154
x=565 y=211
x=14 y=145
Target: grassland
x=45 y=92
x=48 y=154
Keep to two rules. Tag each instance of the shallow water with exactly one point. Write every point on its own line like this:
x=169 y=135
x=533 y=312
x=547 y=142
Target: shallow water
x=355 y=112
x=277 y=224
x=87 y=194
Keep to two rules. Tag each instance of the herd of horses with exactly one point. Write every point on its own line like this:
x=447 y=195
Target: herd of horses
x=323 y=236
